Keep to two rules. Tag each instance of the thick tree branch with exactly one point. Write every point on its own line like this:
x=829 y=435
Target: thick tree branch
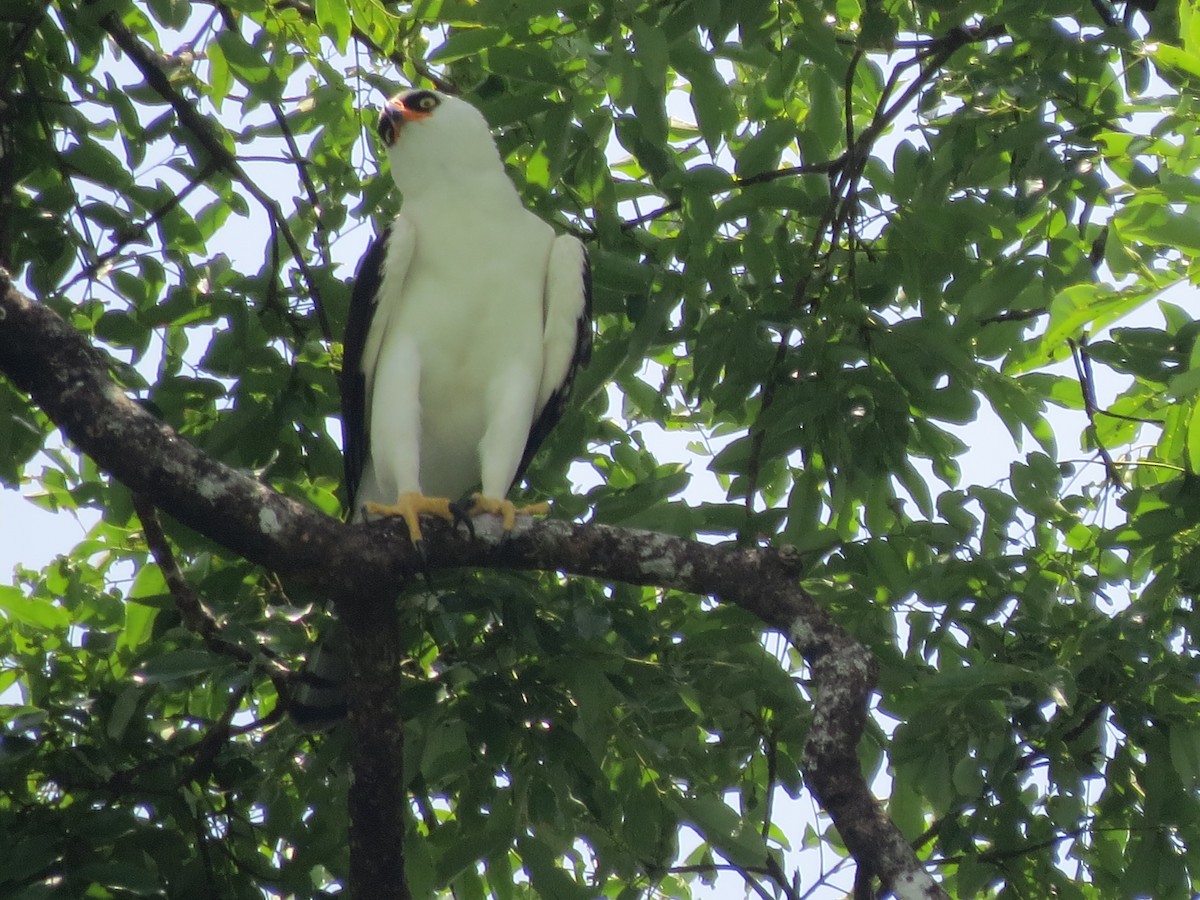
x=363 y=566
x=377 y=795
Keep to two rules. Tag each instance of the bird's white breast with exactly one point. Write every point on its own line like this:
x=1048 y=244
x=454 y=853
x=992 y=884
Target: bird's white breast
x=471 y=309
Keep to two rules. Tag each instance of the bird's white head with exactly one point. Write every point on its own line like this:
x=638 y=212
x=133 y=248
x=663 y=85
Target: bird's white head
x=431 y=136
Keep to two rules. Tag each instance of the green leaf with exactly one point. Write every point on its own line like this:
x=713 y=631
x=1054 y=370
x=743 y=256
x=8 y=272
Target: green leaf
x=1174 y=58
x=334 y=17
x=122 y=712
x=464 y=42
x=446 y=750
x=521 y=65
x=550 y=881
x=1184 y=742
x=724 y=830
x=1193 y=437
x=172 y=13
x=138 y=625
x=1157 y=223
x=245 y=62
x=40 y=614
x=1080 y=306
x=761 y=153
x=220 y=78
x=92 y=161
x=122 y=876
x=907 y=808
x=651 y=52
x=176 y=665
x=825 y=110
x=712 y=100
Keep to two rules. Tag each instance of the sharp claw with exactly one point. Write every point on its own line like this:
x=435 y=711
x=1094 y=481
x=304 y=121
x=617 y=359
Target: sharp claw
x=462 y=516
x=423 y=555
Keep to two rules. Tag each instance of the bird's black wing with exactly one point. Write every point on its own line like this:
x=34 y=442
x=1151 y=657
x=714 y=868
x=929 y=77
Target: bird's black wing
x=553 y=410
x=355 y=441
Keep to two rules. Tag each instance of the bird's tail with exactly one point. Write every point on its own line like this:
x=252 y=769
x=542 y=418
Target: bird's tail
x=319 y=700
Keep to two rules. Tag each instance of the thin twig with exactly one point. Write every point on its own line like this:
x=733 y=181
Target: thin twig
x=209 y=746
x=780 y=878
x=826 y=874
x=147 y=63
x=196 y=616
x=1013 y=315
x=818 y=168
x=772 y=755
x=129 y=235
x=746 y=872
x=1087 y=385
x=821 y=168
x=320 y=231
x=671 y=207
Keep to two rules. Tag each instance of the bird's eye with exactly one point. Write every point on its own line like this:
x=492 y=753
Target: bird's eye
x=427 y=102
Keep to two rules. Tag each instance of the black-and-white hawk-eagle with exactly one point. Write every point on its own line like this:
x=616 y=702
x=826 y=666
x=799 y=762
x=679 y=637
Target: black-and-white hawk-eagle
x=468 y=320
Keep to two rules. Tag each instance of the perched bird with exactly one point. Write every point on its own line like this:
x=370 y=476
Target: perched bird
x=468 y=320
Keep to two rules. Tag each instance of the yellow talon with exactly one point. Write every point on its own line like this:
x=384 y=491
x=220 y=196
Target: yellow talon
x=410 y=506
x=506 y=509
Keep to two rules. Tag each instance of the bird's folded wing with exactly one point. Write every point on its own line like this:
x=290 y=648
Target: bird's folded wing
x=566 y=336
x=380 y=279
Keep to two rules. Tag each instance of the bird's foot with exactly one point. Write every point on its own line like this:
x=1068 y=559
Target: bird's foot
x=410 y=506
x=505 y=509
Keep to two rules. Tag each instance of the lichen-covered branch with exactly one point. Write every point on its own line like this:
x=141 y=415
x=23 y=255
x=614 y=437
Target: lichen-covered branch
x=362 y=566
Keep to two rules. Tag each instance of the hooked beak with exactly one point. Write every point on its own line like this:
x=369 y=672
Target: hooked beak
x=393 y=116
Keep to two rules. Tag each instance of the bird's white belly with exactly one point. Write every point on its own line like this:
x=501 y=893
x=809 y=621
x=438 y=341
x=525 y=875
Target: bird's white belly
x=475 y=329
